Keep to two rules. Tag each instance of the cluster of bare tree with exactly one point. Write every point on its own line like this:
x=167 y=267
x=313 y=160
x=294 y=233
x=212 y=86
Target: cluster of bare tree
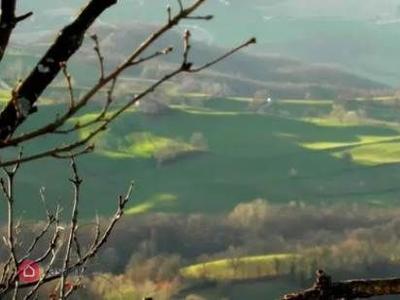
x=160 y=244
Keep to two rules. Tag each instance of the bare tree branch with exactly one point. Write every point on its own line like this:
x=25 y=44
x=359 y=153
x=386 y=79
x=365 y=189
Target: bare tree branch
x=99 y=55
x=169 y=13
x=324 y=289
x=98 y=242
x=8 y=191
x=76 y=181
x=40 y=282
x=67 y=43
x=230 y=52
x=68 y=78
x=37 y=238
x=8 y=20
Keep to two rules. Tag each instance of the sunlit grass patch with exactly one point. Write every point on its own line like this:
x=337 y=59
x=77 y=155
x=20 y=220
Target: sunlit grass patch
x=139 y=209
x=158 y=199
x=362 y=140
x=213 y=113
x=384 y=98
x=147 y=145
x=4 y=95
x=242 y=267
x=327 y=121
x=113 y=154
x=184 y=107
x=285 y=135
x=208 y=112
x=375 y=154
x=243 y=99
x=204 y=110
x=195 y=95
x=306 y=101
x=89 y=117
x=135 y=145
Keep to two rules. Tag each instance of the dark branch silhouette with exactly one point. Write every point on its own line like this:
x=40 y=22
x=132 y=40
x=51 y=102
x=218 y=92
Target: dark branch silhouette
x=325 y=289
x=8 y=20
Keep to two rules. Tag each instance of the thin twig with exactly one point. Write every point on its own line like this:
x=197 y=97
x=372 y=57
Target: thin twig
x=8 y=20
x=53 y=244
x=8 y=191
x=206 y=18
x=180 y=5
x=230 y=52
x=96 y=48
x=169 y=13
x=100 y=117
x=97 y=231
x=165 y=51
x=40 y=282
x=51 y=219
x=76 y=182
x=186 y=48
x=69 y=83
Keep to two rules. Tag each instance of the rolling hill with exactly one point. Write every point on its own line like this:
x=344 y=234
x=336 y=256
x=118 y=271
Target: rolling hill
x=283 y=155
x=243 y=73
x=360 y=38
x=295 y=151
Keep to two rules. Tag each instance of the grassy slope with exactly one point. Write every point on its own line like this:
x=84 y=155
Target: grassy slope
x=247 y=267
x=250 y=156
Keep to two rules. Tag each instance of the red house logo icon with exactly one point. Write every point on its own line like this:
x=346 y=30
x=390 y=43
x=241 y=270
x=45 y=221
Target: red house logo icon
x=29 y=271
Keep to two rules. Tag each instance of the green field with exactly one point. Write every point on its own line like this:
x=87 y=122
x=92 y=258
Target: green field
x=281 y=155
x=241 y=267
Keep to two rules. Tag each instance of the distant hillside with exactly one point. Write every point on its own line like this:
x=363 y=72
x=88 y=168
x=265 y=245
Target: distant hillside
x=243 y=72
x=360 y=37
x=349 y=9
x=295 y=151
